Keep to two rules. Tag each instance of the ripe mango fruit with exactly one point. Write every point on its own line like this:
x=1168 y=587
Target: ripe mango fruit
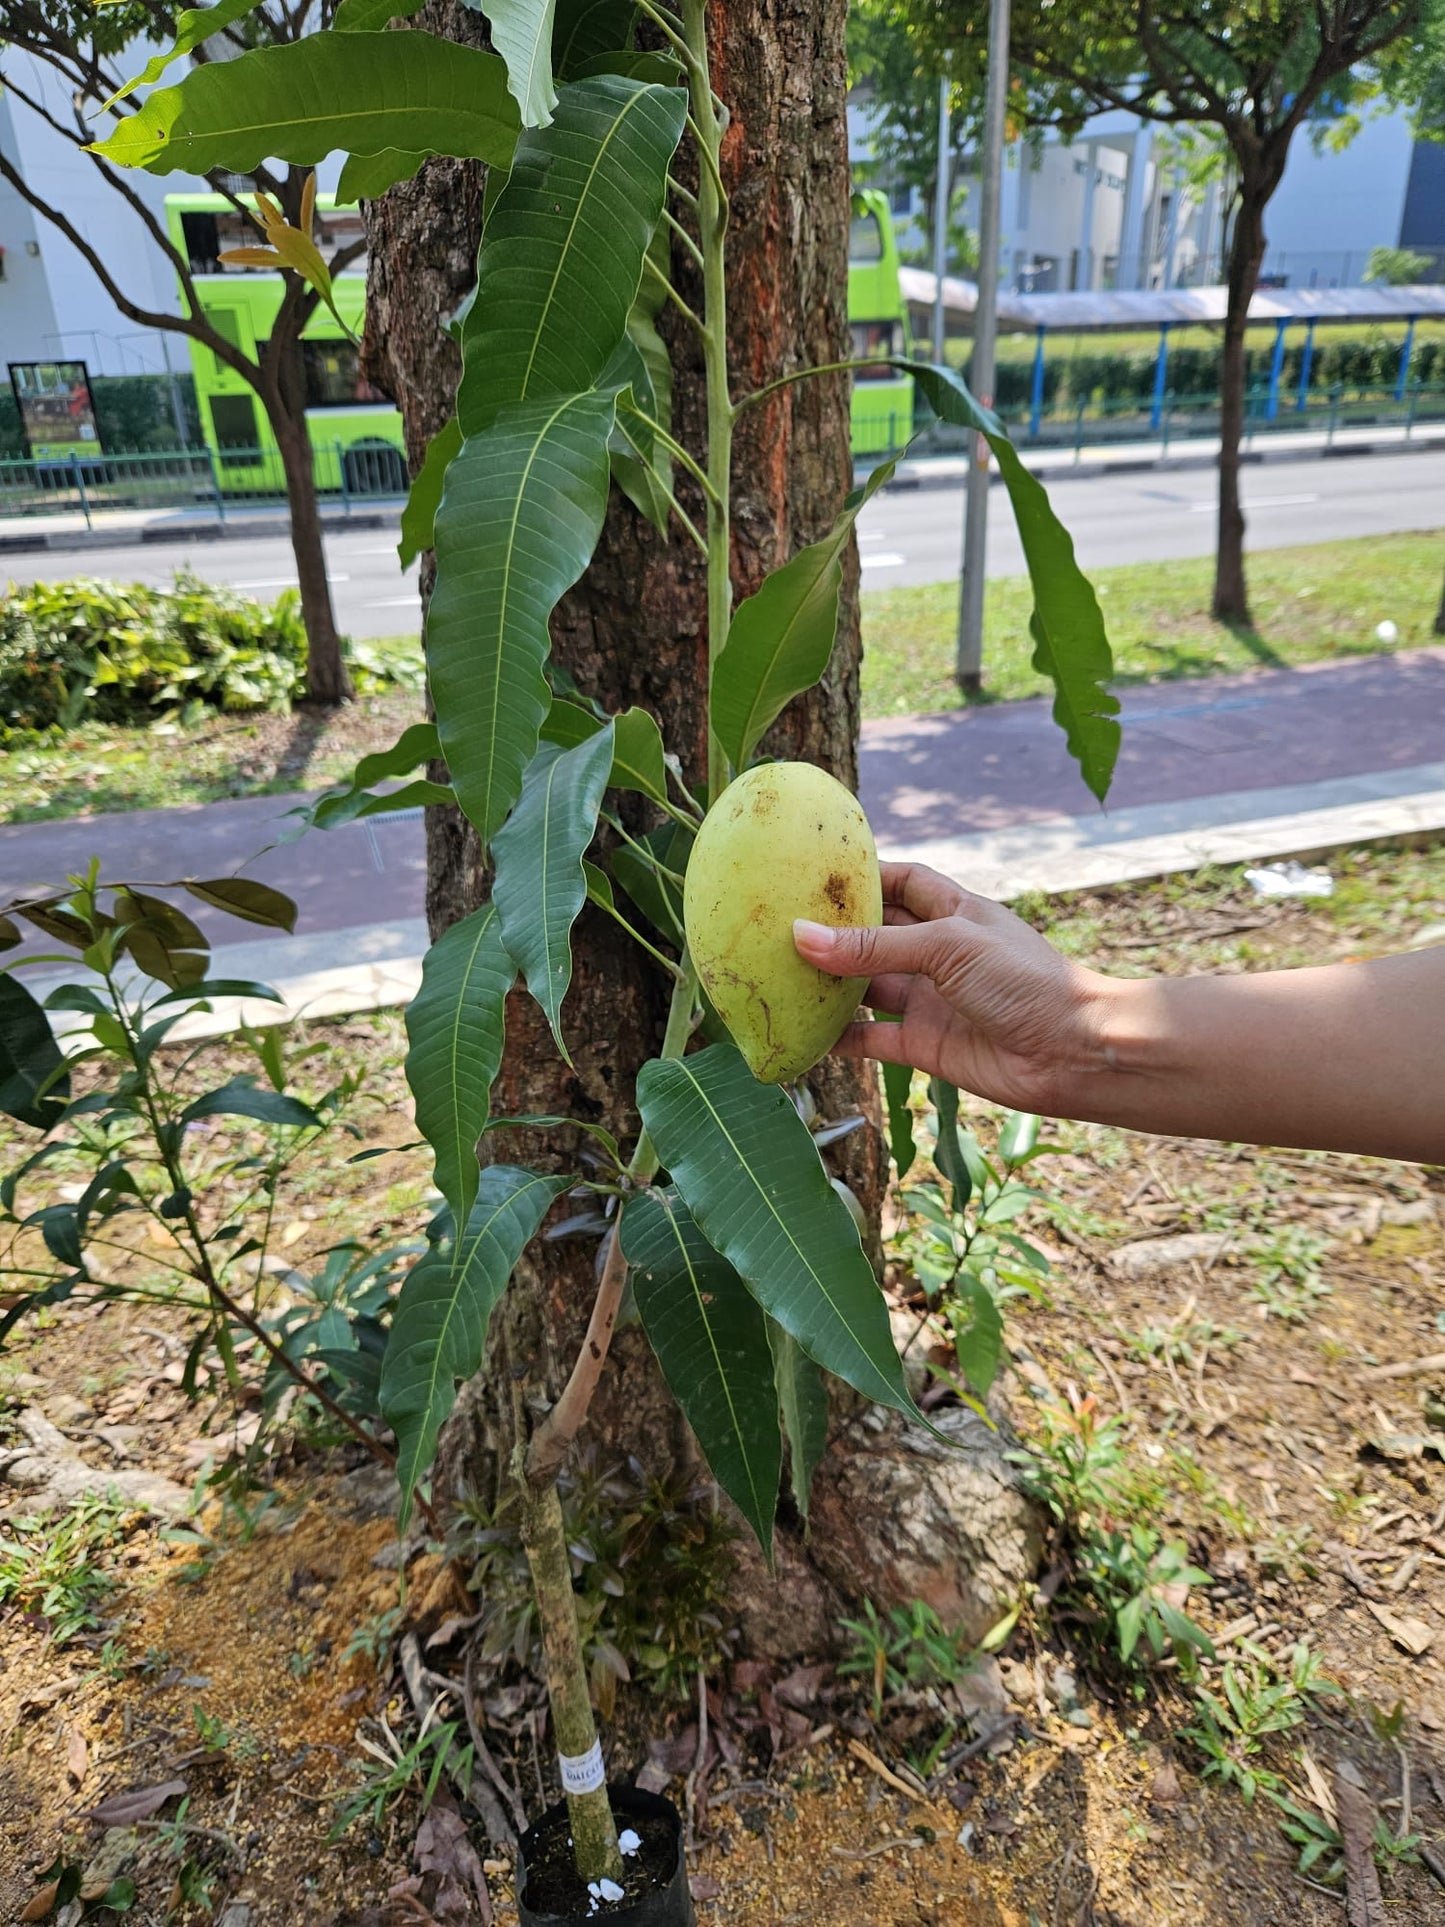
x=785 y=840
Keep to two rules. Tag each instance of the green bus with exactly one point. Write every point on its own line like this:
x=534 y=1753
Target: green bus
x=878 y=318
x=355 y=430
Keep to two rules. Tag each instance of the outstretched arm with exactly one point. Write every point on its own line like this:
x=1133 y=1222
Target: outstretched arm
x=1346 y=1057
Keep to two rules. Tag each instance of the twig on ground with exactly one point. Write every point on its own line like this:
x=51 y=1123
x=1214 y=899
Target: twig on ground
x=885 y=1773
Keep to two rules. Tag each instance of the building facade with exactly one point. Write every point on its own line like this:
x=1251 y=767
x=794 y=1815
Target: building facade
x=1114 y=208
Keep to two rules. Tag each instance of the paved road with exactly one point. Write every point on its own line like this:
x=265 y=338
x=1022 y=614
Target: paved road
x=907 y=536
x=373 y=597
x=914 y=536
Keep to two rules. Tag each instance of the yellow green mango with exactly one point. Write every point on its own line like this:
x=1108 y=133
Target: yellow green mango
x=786 y=840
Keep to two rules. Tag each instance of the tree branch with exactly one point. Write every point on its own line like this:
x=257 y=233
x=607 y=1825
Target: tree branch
x=555 y=1434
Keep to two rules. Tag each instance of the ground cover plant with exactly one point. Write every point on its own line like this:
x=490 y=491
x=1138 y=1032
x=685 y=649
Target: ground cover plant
x=1254 y=1445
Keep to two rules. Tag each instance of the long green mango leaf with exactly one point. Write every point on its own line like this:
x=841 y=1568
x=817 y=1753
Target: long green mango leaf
x=1071 y=647
x=355 y=798
x=802 y=1395
x=419 y=517
x=644 y=473
x=361 y=92
x=751 y=1176
x=32 y=1090
x=455 y=1027
x=711 y=1340
x=637 y=748
x=540 y=884
x=439 y=1331
x=192 y=27
x=586 y=29
x=897 y=1088
x=366 y=177
x=780 y=639
x=522 y=508
x=658 y=898
x=522 y=35
x=562 y=253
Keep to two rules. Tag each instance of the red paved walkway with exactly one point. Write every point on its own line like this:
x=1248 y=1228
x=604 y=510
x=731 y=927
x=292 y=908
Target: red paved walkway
x=921 y=778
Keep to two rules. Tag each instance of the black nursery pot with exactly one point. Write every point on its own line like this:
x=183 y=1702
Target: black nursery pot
x=544 y=1900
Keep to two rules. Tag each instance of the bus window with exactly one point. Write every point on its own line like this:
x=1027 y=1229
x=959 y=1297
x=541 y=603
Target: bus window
x=234 y=419
x=202 y=241
x=865 y=238
x=876 y=341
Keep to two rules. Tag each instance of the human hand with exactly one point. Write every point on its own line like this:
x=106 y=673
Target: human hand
x=985 y=1001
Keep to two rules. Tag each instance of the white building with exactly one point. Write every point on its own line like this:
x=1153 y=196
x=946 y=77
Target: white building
x=1112 y=208
x=52 y=305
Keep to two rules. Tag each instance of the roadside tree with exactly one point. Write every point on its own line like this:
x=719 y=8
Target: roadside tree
x=1257 y=74
x=88 y=50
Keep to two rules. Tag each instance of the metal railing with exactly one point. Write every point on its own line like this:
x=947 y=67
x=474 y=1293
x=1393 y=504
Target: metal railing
x=195 y=479
x=1171 y=419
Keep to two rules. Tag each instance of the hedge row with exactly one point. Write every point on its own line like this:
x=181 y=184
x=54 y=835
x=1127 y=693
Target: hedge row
x=1357 y=366
x=116 y=652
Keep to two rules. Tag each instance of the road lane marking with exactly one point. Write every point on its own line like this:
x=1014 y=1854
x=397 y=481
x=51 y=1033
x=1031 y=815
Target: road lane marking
x=1259 y=502
x=887 y=560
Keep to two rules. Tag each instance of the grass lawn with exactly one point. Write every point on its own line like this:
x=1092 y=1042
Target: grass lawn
x=104 y=767
x=1310 y=604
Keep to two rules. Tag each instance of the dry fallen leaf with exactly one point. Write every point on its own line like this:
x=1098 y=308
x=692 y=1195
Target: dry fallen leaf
x=295 y=1231
x=140 y=1803
x=40 y=1904
x=77 y=1755
x=1413 y=1635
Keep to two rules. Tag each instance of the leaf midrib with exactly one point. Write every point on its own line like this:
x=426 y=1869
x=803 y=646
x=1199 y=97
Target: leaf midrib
x=565 y=252
x=676 y=1229
x=777 y=1219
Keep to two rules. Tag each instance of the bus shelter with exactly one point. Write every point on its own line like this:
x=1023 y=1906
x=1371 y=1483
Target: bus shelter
x=1164 y=310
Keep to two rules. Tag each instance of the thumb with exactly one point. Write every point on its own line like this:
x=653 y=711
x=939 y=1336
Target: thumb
x=909 y=948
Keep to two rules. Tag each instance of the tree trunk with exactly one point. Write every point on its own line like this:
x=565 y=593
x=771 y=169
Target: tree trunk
x=284 y=399
x=1246 y=252
x=634 y=631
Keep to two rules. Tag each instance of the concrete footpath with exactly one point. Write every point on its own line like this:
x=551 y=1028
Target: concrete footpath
x=1270 y=764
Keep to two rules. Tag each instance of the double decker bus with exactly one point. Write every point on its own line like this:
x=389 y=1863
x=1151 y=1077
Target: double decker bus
x=878 y=320
x=355 y=430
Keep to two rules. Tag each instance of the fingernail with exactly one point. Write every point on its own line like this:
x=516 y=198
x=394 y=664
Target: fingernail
x=816 y=935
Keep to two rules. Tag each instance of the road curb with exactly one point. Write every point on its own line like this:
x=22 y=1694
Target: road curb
x=146 y=535
x=948 y=471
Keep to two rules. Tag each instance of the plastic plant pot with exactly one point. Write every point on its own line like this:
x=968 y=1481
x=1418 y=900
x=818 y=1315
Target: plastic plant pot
x=543 y=1850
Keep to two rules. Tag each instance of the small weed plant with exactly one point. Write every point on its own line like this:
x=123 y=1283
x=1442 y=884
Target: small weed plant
x=55 y=1566
x=956 y=1234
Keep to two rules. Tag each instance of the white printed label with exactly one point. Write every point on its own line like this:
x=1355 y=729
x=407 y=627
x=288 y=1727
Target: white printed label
x=582 y=1772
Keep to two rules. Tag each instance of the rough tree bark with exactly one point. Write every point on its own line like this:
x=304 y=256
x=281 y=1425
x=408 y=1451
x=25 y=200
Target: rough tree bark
x=634 y=631
x=1246 y=254
x=283 y=395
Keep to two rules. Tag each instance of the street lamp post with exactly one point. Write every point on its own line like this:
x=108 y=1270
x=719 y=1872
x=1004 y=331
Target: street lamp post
x=940 y=223
x=969 y=668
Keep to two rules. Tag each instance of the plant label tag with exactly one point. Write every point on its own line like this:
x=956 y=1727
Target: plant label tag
x=582 y=1772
